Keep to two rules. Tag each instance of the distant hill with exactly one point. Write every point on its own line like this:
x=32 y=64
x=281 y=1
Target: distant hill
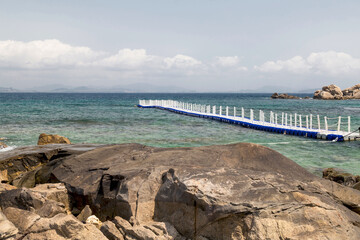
x=4 y=90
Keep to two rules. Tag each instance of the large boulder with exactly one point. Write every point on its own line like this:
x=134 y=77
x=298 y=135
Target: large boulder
x=333 y=92
x=51 y=139
x=329 y=93
x=238 y=191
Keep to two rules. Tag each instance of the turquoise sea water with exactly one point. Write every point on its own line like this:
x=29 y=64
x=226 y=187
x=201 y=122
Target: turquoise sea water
x=113 y=118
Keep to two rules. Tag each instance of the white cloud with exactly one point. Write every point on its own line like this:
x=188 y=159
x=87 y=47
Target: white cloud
x=181 y=61
x=227 y=61
x=43 y=54
x=330 y=62
x=127 y=59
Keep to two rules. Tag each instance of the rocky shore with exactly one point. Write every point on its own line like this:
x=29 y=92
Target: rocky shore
x=132 y=191
x=333 y=92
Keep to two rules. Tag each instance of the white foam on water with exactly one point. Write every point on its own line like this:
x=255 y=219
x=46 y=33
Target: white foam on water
x=9 y=148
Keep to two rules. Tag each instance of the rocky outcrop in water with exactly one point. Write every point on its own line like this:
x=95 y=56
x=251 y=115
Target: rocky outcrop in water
x=283 y=96
x=333 y=92
x=3 y=145
x=342 y=177
x=51 y=139
x=238 y=191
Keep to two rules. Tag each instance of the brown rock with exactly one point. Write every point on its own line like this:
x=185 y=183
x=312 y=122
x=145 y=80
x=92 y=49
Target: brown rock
x=4 y=176
x=84 y=214
x=7 y=228
x=56 y=192
x=109 y=229
x=340 y=176
x=46 y=235
x=3 y=145
x=334 y=92
x=50 y=139
x=22 y=219
x=5 y=187
x=283 y=96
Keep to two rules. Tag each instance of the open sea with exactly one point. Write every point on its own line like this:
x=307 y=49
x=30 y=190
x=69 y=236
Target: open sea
x=113 y=118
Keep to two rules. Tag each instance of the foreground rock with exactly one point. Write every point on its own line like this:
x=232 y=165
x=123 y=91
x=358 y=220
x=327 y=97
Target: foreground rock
x=51 y=139
x=238 y=191
x=283 y=96
x=333 y=92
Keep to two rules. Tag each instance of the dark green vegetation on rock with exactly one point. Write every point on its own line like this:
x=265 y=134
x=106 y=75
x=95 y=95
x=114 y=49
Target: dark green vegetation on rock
x=237 y=191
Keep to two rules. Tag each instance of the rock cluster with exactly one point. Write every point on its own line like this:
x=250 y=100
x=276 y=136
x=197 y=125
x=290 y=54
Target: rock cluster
x=132 y=191
x=51 y=139
x=283 y=96
x=333 y=92
x=342 y=177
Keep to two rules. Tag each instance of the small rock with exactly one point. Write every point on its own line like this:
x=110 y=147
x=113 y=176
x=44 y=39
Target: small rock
x=94 y=220
x=7 y=228
x=3 y=145
x=22 y=219
x=4 y=176
x=122 y=224
x=357 y=186
x=110 y=231
x=50 y=139
x=85 y=213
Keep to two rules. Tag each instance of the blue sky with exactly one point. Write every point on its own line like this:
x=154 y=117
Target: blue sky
x=199 y=45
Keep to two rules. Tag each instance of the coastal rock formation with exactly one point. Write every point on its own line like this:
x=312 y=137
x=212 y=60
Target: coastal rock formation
x=342 y=177
x=51 y=139
x=237 y=191
x=283 y=96
x=333 y=92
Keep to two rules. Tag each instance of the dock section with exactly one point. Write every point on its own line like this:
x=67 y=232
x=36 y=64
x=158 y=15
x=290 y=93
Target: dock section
x=292 y=124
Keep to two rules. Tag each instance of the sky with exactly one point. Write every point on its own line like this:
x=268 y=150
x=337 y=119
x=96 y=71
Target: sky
x=199 y=45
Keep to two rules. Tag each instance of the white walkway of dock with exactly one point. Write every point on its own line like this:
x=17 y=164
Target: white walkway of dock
x=284 y=123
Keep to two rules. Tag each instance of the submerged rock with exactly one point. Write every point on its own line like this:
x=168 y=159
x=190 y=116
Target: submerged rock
x=51 y=139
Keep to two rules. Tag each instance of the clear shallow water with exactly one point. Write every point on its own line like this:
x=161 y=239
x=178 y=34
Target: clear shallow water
x=113 y=118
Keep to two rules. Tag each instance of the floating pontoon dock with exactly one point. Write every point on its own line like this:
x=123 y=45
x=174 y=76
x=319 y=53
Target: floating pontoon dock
x=291 y=124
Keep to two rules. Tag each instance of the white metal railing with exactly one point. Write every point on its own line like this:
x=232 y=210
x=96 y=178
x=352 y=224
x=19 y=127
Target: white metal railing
x=292 y=121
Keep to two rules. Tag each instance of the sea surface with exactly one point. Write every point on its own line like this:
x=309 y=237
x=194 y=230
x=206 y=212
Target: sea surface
x=114 y=118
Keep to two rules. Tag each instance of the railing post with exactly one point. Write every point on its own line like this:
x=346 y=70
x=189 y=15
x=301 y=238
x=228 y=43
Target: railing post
x=286 y=119
x=326 y=124
x=339 y=123
x=311 y=121
x=227 y=111
x=234 y=111
x=307 y=122
x=214 y=109
x=242 y=112
x=252 y=115
x=276 y=118
x=282 y=118
x=220 y=111
x=318 y=119
x=300 y=121
x=349 y=127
